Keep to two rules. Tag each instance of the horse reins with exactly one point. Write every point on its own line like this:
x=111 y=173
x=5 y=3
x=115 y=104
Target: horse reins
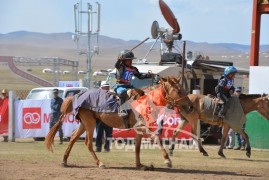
x=173 y=102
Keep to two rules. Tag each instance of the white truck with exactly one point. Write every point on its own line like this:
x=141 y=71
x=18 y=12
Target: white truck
x=145 y=68
x=46 y=92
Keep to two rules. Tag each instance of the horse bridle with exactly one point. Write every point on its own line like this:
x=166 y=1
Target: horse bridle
x=172 y=101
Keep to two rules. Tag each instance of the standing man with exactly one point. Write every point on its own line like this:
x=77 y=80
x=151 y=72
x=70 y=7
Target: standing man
x=240 y=139
x=55 y=106
x=101 y=127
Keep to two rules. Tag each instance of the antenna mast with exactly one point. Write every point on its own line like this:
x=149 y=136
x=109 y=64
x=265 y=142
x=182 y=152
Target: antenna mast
x=82 y=17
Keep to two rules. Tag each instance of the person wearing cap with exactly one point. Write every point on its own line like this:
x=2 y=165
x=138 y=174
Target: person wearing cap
x=4 y=93
x=105 y=86
x=101 y=128
x=124 y=75
x=240 y=139
x=55 y=106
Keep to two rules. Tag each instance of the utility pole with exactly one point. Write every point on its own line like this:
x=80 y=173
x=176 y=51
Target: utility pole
x=79 y=33
x=183 y=63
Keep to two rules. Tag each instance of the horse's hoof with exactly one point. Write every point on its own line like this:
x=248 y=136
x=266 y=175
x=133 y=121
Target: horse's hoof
x=145 y=168
x=248 y=153
x=151 y=168
x=168 y=163
x=64 y=164
x=102 y=166
x=222 y=155
x=205 y=154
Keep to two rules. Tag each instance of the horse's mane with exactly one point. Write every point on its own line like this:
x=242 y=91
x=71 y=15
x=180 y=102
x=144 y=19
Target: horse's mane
x=251 y=96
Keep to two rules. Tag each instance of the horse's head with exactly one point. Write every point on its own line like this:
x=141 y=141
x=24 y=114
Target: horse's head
x=176 y=95
x=263 y=106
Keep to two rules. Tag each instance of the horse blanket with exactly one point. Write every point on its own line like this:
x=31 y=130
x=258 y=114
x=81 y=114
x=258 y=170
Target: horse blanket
x=149 y=105
x=97 y=100
x=235 y=116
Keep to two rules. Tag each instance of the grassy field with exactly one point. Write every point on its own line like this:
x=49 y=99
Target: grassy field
x=11 y=81
x=27 y=159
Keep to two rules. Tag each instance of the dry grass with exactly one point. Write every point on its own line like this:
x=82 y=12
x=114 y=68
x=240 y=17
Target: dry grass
x=26 y=159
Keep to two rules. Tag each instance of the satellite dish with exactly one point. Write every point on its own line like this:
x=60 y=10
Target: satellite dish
x=154 y=29
x=169 y=16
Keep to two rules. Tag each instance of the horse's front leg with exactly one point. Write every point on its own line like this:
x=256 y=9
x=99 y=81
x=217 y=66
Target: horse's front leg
x=166 y=157
x=225 y=131
x=245 y=136
x=182 y=124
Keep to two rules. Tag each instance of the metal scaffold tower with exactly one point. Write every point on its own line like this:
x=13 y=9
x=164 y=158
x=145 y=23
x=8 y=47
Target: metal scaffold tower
x=81 y=16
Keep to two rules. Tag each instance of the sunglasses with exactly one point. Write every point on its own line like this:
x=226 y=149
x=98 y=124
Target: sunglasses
x=238 y=91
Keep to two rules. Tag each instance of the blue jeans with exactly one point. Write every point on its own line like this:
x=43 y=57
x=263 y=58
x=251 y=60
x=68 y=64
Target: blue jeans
x=240 y=139
x=100 y=128
x=122 y=87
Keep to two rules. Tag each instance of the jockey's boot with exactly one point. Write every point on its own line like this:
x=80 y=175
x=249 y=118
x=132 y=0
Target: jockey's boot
x=122 y=112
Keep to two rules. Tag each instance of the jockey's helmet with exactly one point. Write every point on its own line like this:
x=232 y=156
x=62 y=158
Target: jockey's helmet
x=229 y=70
x=126 y=54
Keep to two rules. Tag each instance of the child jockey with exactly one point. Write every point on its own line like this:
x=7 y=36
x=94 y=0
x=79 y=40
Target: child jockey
x=225 y=88
x=125 y=72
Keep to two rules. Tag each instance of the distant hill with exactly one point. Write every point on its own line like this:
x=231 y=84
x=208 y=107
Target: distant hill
x=34 y=44
x=64 y=41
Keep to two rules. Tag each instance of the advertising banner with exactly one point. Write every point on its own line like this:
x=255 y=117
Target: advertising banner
x=170 y=119
x=68 y=83
x=32 y=119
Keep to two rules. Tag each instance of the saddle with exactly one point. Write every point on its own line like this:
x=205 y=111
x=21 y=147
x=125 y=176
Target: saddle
x=218 y=102
x=215 y=99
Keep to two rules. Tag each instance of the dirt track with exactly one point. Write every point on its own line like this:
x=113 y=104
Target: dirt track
x=31 y=161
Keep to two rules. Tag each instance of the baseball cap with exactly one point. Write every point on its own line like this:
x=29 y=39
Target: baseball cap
x=55 y=90
x=104 y=84
x=4 y=91
x=238 y=89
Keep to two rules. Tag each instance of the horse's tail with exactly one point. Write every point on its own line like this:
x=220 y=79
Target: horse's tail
x=66 y=108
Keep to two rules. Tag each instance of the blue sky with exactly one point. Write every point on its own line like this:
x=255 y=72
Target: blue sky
x=213 y=21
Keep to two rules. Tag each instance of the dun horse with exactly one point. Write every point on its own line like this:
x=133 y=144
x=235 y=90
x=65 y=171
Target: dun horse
x=249 y=103
x=173 y=93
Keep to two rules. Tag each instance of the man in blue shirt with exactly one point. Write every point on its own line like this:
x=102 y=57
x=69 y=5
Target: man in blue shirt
x=55 y=106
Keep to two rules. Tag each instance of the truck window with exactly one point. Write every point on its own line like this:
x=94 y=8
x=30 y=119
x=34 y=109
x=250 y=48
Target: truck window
x=72 y=93
x=137 y=83
x=43 y=94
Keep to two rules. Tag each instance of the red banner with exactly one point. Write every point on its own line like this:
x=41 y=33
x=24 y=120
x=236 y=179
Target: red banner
x=171 y=120
x=3 y=116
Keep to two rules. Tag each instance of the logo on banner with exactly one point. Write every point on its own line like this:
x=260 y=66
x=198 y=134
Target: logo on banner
x=31 y=118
